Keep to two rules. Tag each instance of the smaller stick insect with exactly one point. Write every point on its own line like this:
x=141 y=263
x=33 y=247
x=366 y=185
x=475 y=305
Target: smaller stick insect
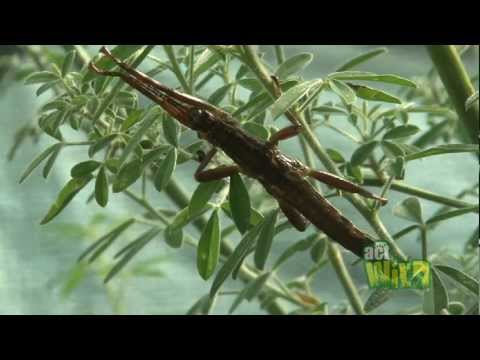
x=281 y=176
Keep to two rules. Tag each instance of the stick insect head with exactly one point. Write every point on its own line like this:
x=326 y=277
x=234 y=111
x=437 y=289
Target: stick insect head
x=178 y=105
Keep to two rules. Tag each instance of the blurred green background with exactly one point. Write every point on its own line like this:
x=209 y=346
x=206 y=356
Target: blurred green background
x=34 y=259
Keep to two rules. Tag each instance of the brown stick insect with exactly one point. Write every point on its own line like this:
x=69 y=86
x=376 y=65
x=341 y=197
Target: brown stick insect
x=282 y=177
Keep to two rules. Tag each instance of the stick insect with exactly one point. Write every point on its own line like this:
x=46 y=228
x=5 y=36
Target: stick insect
x=282 y=177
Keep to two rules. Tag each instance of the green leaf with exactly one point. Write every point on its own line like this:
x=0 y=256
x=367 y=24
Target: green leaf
x=121 y=51
x=397 y=168
x=84 y=168
x=357 y=60
x=335 y=156
x=143 y=240
x=293 y=95
x=293 y=65
x=435 y=298
x=257 y=130
x=250 y=291
x=409 y=209
x=205 y=61
x=452 y=213
x=235 y=258
x=401 y=132
x=377 y=298
x=252 y=84
x=173 y=237
x=471 y=100
x=362 y=153
x=371 y=94
x=202 y=195
x=456 y=308
x=51 y=161
x=330 y=110
x=239 y=203
x=344 y=91
x=460 y=277
x=391 y=149
x=208 y=250
x=368 y=76
x=137 y=137
x=299 y=246
x=101 y=188
x=203 y=306
x=46 y=87
x=38 y=160
x=106 y=239
x=443 y=149
x=67 y=62
x=100 y=144
x=165 y=170
x=219 y=94
x=355 y=172
x=171 y=130
x=127 y=175
x=40 y=77
x=265 y=239
x=134 y=117
x=66 y=195
x=74 y=279
x=319 y=250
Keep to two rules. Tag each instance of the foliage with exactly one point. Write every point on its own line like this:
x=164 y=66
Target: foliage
x=127 y=143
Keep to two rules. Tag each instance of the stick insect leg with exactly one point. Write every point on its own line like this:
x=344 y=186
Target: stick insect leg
x=342 y=184
x=218 y=173
x=283 y=134
x=296 y=219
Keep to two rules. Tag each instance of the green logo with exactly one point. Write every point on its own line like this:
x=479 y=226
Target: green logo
x=385 y=273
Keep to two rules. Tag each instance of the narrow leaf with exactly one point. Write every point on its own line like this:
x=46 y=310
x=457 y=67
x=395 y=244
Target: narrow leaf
x=362 y=153
x=101 y=188
x=301 y=245
x=460 y=277
x=100 y=144
x=165 y=170
x=357 y=60
x=84 y=168
x=137 y=137
x=249 y=291
x=371 y=94
x=293 y=95
x=51 y=161
x=67 y=62
x=127 y=175
x=171 y=130
x=208 y=250
x=377 y=298
x=265 y=239
x=134 y=117
x=111 y=235
x=239 y=203
x=40 y=77
x=343 y=91
x=443 y=149
x=435 y=298
x=174 y=237
x=401 y=132
x=66 y=195
x=235 y=258
x=38 y=160
x=368 y=76
x=202 y=195
x=219 y=94
x=409 y=209
x=294 y=65
x=144 y=239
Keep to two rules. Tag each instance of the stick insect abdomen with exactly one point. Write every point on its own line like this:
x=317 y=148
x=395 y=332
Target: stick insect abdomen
x=284 y=179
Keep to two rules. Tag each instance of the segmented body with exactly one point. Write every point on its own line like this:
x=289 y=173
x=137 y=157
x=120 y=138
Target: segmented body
x=284 y=178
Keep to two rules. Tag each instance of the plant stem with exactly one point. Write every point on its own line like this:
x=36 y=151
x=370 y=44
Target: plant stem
x=279 y=54
x=424 y=194
x=455 y=78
